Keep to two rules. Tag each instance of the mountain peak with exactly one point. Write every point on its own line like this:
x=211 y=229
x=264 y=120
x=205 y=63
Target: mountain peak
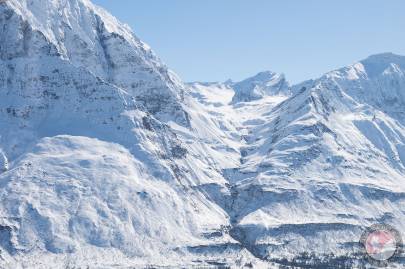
x=378 y=63
x=385 y=56
x=262 y=84
x=264 y=75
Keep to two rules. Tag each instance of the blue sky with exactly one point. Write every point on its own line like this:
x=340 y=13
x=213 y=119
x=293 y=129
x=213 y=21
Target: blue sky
x=213 y=40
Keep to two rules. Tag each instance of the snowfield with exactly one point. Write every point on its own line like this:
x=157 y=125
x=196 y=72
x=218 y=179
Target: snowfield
x=109 y=160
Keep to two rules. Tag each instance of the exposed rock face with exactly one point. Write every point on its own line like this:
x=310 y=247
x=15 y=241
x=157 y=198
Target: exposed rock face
x=87 y=37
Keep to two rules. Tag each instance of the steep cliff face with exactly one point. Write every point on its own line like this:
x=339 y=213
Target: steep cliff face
x=68 y=67
x=87 y=37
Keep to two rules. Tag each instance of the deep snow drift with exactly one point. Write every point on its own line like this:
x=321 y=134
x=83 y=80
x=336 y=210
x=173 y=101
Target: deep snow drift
x=108 y=160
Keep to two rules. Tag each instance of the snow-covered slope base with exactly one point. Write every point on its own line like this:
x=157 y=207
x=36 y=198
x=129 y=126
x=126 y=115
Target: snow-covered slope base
x=73 y=195
x=107 y=160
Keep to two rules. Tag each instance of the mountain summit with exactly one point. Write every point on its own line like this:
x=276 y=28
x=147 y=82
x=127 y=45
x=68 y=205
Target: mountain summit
x=263 y=84
x=377 y=64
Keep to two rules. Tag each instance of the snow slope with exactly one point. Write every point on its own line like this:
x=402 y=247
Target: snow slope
x=318 y=166
x=108 y=160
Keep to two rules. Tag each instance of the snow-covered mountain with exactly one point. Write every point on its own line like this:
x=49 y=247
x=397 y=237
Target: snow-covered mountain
x=318 y=166
x=261 y=85
x=108 y=160
x=93 y=163
x=322 y=165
